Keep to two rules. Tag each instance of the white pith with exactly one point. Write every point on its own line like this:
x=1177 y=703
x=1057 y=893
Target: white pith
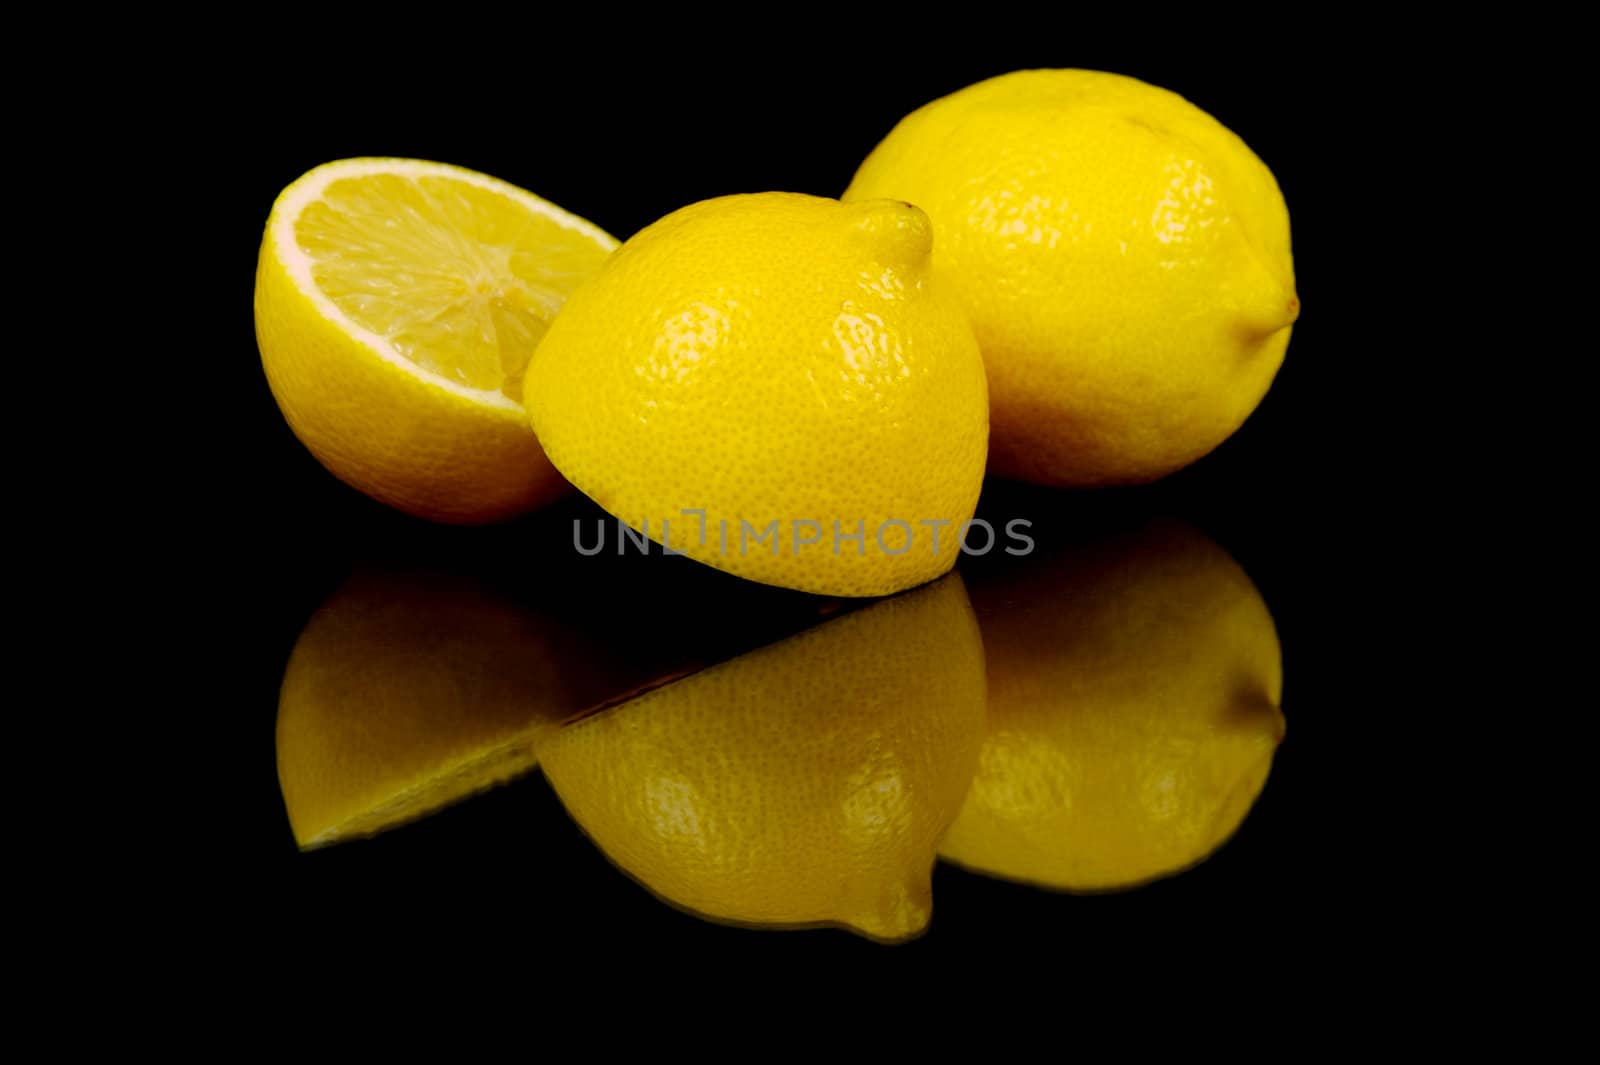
x=309 y=189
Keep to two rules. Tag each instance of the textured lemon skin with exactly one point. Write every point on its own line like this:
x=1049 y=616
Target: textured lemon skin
x=773 y=357
x=1124 y=259
x=1133 y=714
x=408 y=692
x=381 y=427
x=806 y=783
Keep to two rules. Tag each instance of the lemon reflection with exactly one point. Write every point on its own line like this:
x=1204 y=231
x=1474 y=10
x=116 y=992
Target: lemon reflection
x=1133 y=713
x=409 y=691
x=804 y=783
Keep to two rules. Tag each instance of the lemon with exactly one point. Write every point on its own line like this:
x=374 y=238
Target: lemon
x=397 y=302
x=805 y=783
x=1133 y=713
x=1124 y=259
x=407 y=692
x=773 y=385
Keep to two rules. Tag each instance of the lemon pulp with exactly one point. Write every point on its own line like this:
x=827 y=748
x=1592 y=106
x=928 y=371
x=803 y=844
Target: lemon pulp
x=459 y=279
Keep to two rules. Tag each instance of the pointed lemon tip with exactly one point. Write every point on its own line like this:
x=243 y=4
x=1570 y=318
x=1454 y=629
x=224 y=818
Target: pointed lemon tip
x=1255 y=720
x=1268 y=313
x=895 y=228
x=1288 y=314
x=902 y=913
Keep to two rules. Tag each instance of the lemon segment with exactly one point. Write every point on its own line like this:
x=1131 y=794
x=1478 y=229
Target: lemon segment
x=397 y=304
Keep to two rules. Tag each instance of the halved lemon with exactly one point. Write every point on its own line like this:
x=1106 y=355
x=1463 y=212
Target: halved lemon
x=410 y=691
x=397 y=302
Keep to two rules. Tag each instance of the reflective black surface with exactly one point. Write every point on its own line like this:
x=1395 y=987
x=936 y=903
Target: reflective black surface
x=1088 y=716
x=626 y=623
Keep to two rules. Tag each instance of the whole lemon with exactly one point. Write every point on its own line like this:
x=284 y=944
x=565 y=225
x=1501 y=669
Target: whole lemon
x=1133 y=712
x=1124 y=259
x=774 y=385
x=805 y=783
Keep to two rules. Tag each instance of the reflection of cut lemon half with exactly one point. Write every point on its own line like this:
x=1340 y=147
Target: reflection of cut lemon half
x=804 y=783
x=1133 y=713
x=397 y=304
x=406 y=693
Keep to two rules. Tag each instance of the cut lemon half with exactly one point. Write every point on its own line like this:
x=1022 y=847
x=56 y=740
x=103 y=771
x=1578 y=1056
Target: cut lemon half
x=397 y=303
x=408 y=692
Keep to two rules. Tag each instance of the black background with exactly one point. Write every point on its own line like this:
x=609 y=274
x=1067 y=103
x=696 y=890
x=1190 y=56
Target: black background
x=621 y=140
